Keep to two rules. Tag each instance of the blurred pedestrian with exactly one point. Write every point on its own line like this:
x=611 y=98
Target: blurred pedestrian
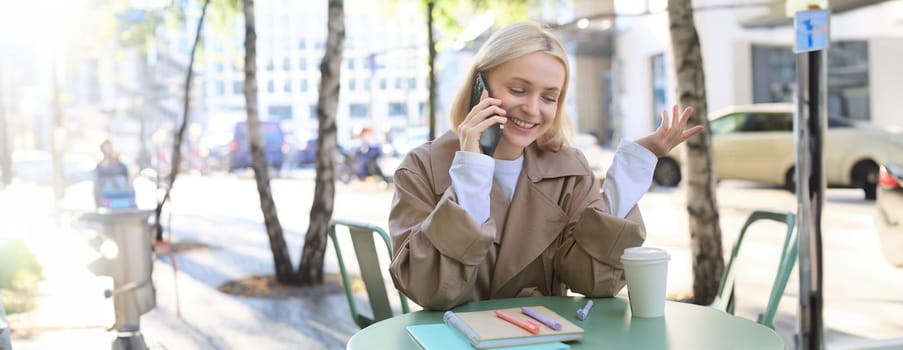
x=112 y=183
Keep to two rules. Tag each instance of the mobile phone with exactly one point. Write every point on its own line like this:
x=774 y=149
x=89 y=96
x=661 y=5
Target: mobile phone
x=490 y=137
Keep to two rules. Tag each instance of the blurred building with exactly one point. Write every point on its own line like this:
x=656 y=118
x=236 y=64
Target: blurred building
x=748 y=58
x=384 y=68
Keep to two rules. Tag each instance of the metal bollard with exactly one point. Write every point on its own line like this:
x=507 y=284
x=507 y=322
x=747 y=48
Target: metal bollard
x=133 y=290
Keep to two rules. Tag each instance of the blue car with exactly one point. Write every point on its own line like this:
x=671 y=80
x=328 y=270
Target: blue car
x=273 y=137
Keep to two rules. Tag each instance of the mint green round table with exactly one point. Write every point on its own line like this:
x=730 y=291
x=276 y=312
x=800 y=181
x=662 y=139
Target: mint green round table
x=609 y=326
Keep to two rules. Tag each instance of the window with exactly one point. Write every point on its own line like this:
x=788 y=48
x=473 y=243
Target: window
x=412 y=83
x=350 y=64
x=848 y=80
x=287 y=86
x=352 y=84
x=397 y=109
x=280 y=112
x=286 y=64
x=658 y=89
x=774 y=74
x=302 y=44
x=220 y=88
x=238 y=87
x=726 y=124
x=270 y=64
x=357 y=110
x=397 y=83
x=303 y=85
x=302 y=63
x=219 y=67
x=767 y=122
x=271 y=86
x=774 y=77
x=313 y=111
x=382 y=84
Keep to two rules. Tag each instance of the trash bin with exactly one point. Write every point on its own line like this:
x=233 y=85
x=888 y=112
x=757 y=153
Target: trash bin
x=130 y=267
x=4 y=329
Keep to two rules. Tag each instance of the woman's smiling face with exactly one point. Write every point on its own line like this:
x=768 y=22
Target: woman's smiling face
x=529 y=87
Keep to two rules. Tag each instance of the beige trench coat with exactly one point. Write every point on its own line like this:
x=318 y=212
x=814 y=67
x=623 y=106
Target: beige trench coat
x=555 y=233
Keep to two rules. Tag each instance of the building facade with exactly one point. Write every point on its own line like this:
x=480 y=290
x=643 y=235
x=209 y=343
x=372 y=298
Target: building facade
x=748 y=58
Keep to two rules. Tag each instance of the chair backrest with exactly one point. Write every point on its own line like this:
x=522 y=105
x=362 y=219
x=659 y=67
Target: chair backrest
x=365 y=249
x=724 y=301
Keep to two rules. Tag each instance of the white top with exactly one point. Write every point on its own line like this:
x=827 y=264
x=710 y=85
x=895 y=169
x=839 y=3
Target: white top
x=627 y=180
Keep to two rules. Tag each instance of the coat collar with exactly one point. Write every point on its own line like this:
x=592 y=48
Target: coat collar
x=538 y=164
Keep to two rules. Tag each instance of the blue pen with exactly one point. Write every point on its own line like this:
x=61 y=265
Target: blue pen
x=541 y=318
x=583 y=312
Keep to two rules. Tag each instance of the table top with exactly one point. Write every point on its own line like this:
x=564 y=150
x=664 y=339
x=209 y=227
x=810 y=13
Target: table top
x=609 y=326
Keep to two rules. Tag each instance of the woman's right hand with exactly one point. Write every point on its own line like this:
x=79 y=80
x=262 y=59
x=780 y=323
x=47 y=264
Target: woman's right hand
x=480 y=117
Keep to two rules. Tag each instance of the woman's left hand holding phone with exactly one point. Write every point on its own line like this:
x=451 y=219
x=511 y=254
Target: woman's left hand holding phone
x=481 y=117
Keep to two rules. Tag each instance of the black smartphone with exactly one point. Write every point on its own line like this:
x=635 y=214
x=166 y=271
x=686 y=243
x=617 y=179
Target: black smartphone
x=490 y=137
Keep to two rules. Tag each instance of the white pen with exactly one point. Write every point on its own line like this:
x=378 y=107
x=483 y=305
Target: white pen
x=583 y=312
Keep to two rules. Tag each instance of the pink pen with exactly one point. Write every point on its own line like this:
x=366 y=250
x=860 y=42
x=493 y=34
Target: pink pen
x=527 y=325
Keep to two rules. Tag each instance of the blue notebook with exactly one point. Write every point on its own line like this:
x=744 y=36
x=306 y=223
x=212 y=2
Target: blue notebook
x=440 y=336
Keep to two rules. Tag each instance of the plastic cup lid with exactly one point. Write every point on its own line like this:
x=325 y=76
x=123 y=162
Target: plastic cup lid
x=639 y=254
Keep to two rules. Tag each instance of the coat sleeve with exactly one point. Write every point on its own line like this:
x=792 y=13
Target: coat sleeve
x=588 y=259
x=437 y=246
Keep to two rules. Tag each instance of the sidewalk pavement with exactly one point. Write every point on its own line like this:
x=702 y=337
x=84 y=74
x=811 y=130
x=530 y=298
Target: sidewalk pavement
x=72 y=312
x=72 y=309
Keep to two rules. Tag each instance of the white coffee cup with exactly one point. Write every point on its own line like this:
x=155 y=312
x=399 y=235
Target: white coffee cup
x=646 y=269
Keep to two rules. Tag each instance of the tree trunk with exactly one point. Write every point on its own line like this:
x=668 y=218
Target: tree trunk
x=6 y=162
x=705 y=231
x=311 y=265
x=431 y=41
x=180 y=133
x=281 y=259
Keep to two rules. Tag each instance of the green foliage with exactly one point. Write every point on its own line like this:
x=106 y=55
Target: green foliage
x=19 y=270
x=19 y=276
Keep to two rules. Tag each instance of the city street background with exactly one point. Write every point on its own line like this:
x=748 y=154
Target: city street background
x=863 y=294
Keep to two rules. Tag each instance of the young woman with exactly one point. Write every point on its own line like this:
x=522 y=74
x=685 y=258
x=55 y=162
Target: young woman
x=530 y=220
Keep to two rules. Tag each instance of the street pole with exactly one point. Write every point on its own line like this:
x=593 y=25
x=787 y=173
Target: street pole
x=811 y=29
x=57 y=143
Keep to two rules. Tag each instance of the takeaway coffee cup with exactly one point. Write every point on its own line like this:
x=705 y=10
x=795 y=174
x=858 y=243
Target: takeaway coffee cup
x=646 y=269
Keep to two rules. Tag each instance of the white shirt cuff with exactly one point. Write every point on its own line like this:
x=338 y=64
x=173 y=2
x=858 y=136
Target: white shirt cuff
x=628 y=178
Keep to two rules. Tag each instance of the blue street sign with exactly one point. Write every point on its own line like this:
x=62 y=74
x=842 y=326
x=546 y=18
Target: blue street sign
x=811 y=30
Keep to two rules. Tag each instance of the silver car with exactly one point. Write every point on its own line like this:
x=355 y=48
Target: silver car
x=756 y=143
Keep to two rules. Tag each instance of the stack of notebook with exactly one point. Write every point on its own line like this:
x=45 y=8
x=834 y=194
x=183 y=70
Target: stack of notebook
x=485 y=329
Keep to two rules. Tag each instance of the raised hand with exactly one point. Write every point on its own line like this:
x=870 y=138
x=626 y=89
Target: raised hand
x=671 y=133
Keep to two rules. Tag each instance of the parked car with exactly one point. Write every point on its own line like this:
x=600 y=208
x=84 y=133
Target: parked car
x=756 y=143
x=37 y=166
x=402 y=141
x=889 y=218
x=275 y=145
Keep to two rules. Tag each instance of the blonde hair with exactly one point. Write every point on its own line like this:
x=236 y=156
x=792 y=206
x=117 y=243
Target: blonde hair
x=515 y=41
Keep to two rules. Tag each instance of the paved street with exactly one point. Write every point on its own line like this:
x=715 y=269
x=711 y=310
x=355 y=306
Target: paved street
x=863 y=294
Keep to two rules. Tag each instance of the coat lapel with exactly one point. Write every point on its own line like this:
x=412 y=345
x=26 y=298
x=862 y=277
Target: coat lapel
x=533 y=223
x=535 y=219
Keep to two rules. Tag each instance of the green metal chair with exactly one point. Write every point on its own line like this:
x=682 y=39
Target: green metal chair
x=724 y=301
x=365 y=249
